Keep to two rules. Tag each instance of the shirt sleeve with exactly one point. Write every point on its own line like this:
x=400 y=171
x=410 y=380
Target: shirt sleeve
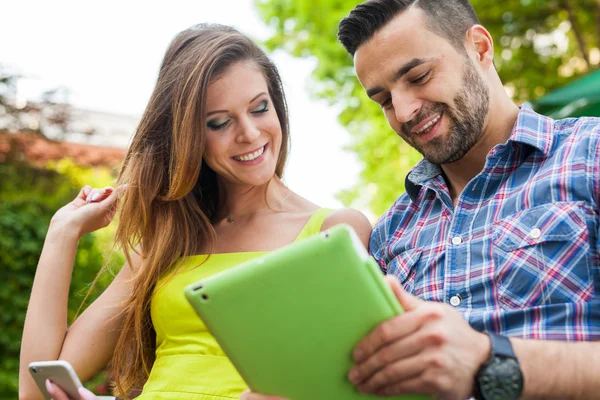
x=378 y=242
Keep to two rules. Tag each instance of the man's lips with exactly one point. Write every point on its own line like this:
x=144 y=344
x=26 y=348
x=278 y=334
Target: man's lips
x=427 y=123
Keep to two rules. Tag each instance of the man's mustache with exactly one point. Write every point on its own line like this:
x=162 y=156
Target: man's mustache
x=436 y=108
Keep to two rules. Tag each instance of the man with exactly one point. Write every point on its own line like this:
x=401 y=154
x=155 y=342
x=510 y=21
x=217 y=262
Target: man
x=498 y=228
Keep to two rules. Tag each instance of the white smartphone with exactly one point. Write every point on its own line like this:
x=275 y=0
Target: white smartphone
x=60 y=372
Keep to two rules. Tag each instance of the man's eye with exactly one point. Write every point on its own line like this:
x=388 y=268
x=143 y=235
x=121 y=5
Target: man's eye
x=387 y=103
x=421 y=79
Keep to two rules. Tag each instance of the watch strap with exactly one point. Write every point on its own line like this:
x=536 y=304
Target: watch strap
x=501 y=347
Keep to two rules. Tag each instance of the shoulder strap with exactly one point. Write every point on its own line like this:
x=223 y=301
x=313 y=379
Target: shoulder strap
x=314 y=224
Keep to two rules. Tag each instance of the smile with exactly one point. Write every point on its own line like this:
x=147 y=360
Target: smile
x=429 y=125
x=251 y=156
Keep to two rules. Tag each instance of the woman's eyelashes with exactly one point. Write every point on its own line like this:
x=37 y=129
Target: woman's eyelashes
x=262 y=108
x=218 y=124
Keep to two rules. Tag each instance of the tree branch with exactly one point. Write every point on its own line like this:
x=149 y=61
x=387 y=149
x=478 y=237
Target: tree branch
x=598 y=23
x=577 y=31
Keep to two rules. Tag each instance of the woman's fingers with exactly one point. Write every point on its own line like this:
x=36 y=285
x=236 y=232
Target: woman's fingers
x=84 y=192
x=97 y=195
x=55 y=391
x=58 y=394
x=86 y=394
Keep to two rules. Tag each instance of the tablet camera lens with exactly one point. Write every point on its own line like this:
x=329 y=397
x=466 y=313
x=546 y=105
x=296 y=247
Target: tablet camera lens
x=205 y=297
x=34 y=370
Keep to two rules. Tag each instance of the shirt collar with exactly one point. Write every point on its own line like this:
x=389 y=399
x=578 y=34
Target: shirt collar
x=531 y=128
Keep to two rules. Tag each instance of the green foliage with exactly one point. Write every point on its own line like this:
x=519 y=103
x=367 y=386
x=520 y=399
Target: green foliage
x=30 y=196
x=308 y=28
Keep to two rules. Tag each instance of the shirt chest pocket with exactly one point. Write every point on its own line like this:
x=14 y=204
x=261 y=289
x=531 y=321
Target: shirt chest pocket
x=541 y=256
x=403 y=266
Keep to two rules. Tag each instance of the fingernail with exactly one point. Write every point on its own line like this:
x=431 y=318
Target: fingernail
x=353 y=376
x=49 y=387
x=97 y=195
x=87 y=190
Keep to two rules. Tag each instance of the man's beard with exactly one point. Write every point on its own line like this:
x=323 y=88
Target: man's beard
x=466 y=119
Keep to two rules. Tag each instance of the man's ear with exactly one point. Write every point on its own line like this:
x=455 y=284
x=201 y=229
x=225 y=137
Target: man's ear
x=479 y=43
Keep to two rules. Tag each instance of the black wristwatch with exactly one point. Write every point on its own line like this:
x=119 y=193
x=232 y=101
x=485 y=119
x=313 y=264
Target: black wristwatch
x=500 y=378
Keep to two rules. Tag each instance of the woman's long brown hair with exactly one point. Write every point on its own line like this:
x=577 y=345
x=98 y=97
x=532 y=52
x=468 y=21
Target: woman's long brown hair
x=172 y=196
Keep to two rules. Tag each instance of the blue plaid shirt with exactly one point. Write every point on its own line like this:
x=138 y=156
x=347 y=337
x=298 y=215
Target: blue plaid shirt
x=519 y=254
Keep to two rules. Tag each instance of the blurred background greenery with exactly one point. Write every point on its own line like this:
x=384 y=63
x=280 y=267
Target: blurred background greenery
x=542 y=47
x=30 y=196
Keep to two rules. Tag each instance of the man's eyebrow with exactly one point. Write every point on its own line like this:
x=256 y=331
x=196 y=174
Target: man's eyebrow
x=403 y=70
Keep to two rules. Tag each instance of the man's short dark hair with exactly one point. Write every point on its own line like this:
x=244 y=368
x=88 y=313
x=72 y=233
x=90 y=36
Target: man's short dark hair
x=450 y=19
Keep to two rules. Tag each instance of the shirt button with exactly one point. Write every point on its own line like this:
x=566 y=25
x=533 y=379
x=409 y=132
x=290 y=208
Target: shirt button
x=535 y=233
x=456 y=240
x=455 y=300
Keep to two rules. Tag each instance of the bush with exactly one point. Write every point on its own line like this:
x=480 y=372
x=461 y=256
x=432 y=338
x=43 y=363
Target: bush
x=30 y=196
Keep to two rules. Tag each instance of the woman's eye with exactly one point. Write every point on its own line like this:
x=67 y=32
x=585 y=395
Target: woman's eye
x=215 y=125
x=421 y=79
x=262 y=108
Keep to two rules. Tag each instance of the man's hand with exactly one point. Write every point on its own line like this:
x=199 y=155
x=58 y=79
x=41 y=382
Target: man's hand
x=428 y=350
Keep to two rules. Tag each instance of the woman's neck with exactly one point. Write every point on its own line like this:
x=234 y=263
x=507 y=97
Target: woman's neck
x=245 y=201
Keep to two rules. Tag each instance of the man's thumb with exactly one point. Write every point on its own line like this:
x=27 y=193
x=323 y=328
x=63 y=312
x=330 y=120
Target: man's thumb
x=406 y=300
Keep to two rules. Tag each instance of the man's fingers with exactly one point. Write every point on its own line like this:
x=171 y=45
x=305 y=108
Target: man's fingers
x=406 y=300
x=393 y=373
x=394 y=352
x=409 y=386
x=393 y=330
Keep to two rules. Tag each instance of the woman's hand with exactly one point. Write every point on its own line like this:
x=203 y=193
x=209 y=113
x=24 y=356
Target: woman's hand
x=58 y=394
x=91 y=210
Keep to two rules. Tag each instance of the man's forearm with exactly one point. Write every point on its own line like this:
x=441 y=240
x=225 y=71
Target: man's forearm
x=559 y=370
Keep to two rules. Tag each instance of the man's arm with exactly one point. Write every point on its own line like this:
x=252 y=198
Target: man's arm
x=431 y=350
x=559 y=370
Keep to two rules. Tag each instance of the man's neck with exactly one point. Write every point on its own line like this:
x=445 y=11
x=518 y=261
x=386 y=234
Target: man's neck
x=498 y=128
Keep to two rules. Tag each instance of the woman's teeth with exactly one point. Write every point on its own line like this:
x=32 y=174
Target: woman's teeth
x=429 y=124
x=252 y=156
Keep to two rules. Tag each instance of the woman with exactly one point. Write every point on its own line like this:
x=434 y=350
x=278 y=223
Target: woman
x=203 y=177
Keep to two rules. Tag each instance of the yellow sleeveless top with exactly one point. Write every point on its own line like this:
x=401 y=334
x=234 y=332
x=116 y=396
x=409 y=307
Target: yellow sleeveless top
x=189 y=362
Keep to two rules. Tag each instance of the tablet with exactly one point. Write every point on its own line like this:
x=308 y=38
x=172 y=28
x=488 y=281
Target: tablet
x=289 y=320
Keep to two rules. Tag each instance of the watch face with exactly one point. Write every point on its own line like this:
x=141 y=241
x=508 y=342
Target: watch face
x=501 y=379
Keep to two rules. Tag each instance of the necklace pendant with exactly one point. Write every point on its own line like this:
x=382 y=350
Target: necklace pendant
x=229 y=220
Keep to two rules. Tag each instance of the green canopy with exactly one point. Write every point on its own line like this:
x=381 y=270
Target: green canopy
x=580 y=98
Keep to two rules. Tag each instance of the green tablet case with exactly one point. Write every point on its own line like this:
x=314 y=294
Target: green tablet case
x=290 y=319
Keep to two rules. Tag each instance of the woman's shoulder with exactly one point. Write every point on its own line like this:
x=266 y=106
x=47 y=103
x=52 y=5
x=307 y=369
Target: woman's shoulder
x=350 y=216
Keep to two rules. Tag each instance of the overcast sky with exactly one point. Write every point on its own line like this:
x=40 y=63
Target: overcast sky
x=108 y=54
